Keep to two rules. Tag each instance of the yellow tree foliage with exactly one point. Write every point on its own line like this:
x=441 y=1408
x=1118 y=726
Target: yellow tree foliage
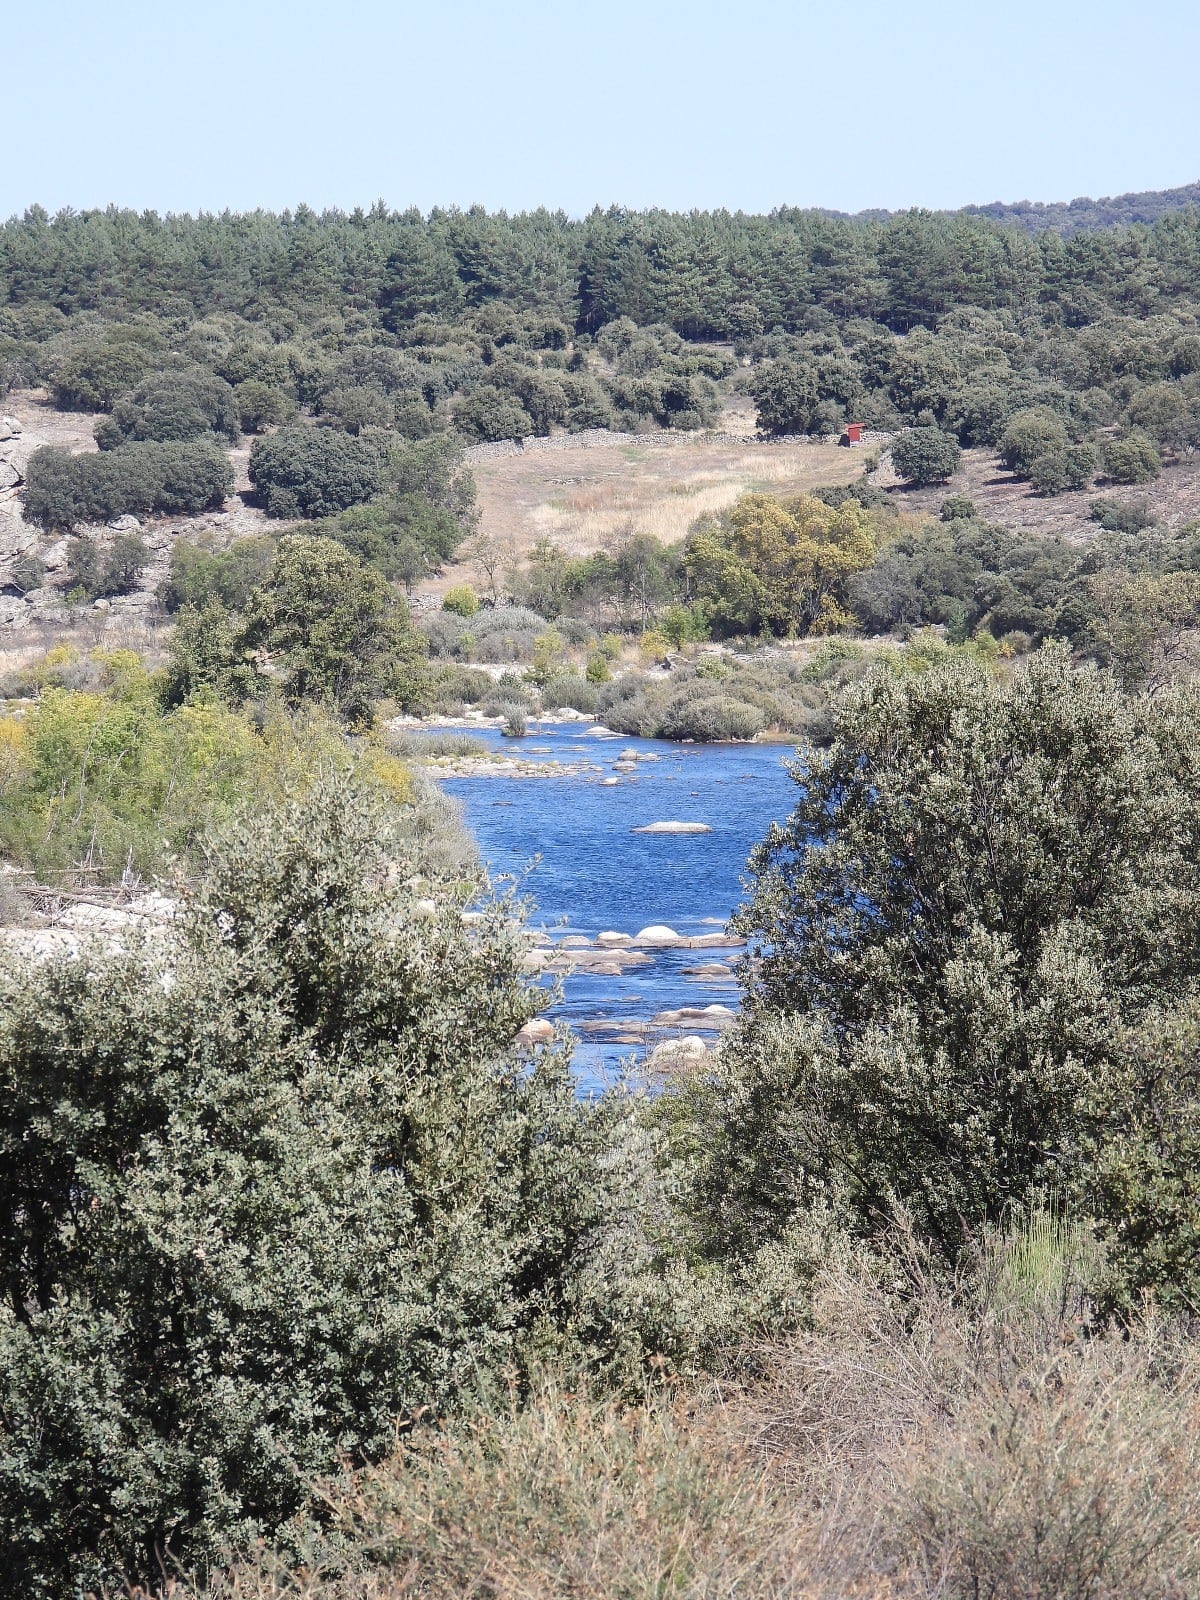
x=97 y=783
x=782 y=564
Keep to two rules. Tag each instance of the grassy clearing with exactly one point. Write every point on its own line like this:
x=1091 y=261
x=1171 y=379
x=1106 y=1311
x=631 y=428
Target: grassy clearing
x=588 y=492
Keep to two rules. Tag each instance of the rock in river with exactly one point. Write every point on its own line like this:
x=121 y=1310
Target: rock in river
x=673 y=827
x=678 y=1053
x=539 y=1031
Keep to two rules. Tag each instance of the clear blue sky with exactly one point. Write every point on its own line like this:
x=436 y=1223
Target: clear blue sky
x=212 y=104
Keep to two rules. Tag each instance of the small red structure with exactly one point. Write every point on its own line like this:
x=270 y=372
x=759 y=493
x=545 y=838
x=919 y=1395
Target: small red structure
x=854 y=432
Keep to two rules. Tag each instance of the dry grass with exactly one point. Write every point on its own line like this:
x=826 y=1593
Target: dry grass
x=1174 y=498
x=931 y=1445
x=585 y=494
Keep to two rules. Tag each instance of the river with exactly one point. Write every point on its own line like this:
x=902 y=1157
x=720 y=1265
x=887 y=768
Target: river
x=568 y=843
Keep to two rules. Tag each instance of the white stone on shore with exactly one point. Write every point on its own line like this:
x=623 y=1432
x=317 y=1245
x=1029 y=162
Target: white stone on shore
x=658 y=934
x=714 y=1016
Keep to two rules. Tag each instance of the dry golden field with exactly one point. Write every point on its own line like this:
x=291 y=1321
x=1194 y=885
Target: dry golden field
x=586 y=494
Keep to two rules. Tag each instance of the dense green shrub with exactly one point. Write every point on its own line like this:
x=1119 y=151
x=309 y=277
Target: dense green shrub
x=461 y=599
x=358 y=408
x=983 y=881
x=1116 y=516
x=1146 y=1207
x=717 y=699
x=172 y=405
x=111 y=571
x=397 y=533
x=1132 y=459
x=313 y=472
x=708 y=716
x=926 y=455
x=968 y=575
x=200 y=573
x=62 y=489
x=453 y=687
x=571 y=689
x=27 y=572
x=496 y=633
x=492 y=414
x=958 y=508
x=256 y=1213
x=261 y=405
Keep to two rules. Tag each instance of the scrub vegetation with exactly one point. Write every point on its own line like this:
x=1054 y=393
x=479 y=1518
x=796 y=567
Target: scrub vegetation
x=317 y=1278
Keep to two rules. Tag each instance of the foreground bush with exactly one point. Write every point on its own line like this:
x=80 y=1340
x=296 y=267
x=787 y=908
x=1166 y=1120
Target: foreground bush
x=272 y=1180
x=101 y=783
x=931 y=1445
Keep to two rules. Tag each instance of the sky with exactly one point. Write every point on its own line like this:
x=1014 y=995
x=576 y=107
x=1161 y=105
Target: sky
x=215 y=105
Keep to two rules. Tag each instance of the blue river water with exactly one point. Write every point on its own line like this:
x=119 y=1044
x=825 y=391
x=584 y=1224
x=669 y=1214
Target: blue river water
x=567 y=843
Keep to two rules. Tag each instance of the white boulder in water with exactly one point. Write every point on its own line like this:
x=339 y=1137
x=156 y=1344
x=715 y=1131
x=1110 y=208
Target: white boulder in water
x=678 y=1053
x=538 y=1031
x=673 y=827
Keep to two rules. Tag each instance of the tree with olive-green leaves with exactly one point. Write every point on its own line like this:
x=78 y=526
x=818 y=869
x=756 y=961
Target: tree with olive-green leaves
x=333 y=630
x=985 y=879
x=780 y=564
x=926 y=455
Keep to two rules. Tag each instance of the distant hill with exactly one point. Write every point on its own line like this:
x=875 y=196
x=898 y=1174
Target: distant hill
x=1083 y=215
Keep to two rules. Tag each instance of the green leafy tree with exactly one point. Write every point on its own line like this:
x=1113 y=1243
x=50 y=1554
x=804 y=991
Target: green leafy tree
x=491 y=414
x=199 y=574
x=984 y=879
x=334 y=630
x=95 y=376
x=786 y=397
x=206 y=655
x=261 y=405
x=926 y=455
x=1132 y=459
x=1030 y=435
x=172 y=405
x=780 y=564
x=313 y=472
x=1146 y=1191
